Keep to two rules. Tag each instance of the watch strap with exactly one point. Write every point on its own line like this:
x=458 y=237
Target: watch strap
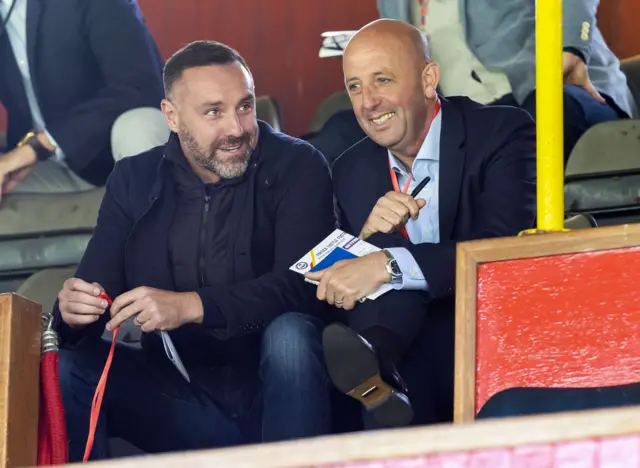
x=31 y=139
x=392 y=267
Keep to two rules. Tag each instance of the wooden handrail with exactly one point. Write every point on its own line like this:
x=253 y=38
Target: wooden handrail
x=599 y=431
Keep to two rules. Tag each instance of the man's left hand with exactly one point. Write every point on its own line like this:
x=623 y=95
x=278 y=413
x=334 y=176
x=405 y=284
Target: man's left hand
x=155 y=309
x=14 y=167
x=13 y=179
x=346 y=282
x=575 y=72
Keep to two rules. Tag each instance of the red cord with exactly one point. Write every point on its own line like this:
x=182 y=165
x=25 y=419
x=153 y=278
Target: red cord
x=52 y=430
x=96 y=405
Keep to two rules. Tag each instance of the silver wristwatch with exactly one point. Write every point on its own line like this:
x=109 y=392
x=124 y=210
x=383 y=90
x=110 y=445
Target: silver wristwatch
x=392 y=268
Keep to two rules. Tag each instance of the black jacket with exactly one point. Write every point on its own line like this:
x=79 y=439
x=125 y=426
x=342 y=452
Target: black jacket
x=486 y=186
x=90 y=61
x=284 y=208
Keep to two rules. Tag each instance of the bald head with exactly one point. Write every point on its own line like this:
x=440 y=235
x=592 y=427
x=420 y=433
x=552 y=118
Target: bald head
x=410 y=38
x=392 y=84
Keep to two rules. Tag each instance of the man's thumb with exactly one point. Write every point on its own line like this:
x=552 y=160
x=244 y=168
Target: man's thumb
x=596 y=95
x=315 y=275
x=421 y=202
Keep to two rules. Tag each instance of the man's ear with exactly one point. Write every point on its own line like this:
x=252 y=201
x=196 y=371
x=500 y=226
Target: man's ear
x=430 y=80
x=170 y=114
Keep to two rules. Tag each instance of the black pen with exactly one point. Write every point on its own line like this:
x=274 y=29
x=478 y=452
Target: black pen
x=416 y=191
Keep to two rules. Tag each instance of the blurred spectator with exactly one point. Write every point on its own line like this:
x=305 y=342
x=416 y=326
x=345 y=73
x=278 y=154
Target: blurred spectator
x=81 y=81
x=486 y=50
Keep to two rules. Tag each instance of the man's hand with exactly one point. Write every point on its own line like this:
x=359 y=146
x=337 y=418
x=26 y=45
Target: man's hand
x=15 y=178
x=79 y=303
x=391 y=213
x=346 y=282
x=14 y=167
x=156 y=309
x=575 y=72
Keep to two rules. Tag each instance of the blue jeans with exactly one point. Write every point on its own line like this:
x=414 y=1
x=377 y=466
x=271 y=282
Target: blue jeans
x=581 y=112
x=149 y=404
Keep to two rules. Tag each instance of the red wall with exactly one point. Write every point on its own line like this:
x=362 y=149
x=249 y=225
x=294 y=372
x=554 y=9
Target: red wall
x=618 y=21
x=558 y=321
x=279 y=39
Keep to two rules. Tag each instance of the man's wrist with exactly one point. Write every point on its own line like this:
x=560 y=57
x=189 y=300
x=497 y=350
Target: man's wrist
x=392 y=268
x=195 y=305
x=573 y=51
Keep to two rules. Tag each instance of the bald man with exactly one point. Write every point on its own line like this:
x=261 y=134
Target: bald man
x=479 y=164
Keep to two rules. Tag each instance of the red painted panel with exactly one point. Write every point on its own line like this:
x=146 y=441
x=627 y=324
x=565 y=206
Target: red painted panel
x=614 y=452
x=561 y=321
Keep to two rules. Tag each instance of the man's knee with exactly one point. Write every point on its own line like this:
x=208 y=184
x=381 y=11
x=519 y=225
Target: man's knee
x=291 y=343
x=137 y=131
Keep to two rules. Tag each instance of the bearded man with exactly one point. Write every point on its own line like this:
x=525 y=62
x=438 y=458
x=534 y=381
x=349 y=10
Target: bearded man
x=195 y=238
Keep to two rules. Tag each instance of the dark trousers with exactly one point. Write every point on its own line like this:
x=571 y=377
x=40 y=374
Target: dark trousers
x=581 y=112
x=529 y=401
x=425 y=334
x=149 y=404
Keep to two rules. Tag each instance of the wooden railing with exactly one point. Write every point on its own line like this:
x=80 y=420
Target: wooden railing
x=20 y=330
x=608 y=438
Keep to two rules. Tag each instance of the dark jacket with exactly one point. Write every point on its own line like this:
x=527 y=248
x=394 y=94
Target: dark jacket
x=90 y=61
x=284 y=207
x=487 y=185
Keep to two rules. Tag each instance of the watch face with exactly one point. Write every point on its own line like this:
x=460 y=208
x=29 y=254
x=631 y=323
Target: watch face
x=395 y=269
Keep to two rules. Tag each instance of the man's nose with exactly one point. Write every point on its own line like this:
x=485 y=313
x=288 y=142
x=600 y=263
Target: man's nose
x=370 y=99
x=233 y=126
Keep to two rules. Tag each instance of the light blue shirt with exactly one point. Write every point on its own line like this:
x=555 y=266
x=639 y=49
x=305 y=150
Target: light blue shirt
x=17 y=34
x=427 y=227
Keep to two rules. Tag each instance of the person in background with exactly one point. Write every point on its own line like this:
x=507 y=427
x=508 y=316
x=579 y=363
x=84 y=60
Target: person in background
x=486 y=51
x=478 y=163
x=196 y=238
x=82 y=83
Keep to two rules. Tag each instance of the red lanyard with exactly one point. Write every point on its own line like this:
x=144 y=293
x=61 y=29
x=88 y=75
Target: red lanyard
x=394 y=176
x=96 y=405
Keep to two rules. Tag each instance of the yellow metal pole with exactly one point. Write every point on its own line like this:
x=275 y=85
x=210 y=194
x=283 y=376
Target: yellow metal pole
x=549 y=115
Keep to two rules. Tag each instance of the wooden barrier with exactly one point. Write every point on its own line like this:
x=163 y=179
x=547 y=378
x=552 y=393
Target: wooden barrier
x=20 y=328
x=552 y=310
x=606 y=438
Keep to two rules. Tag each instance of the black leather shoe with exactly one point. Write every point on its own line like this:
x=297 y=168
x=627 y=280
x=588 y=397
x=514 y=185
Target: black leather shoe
x=355 y=368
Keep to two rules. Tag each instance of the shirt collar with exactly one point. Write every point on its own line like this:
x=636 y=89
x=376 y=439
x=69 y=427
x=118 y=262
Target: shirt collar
x=430 y=149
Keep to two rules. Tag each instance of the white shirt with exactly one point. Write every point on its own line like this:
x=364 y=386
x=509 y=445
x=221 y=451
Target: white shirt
x=426 y=229
x=16 y=30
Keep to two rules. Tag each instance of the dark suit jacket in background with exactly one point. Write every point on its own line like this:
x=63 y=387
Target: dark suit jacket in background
x=90 y=61
x=487 y=185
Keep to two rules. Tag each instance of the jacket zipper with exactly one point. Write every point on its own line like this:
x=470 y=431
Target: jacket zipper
x=203 y=239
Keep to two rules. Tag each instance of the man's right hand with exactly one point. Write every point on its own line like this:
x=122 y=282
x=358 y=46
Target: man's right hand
x=391 y=213
x=79 y=303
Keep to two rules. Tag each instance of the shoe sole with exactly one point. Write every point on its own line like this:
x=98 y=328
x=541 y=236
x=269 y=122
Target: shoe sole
x=353 y=368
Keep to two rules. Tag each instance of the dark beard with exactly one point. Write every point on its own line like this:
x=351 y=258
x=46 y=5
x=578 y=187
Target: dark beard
x=206 y=158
